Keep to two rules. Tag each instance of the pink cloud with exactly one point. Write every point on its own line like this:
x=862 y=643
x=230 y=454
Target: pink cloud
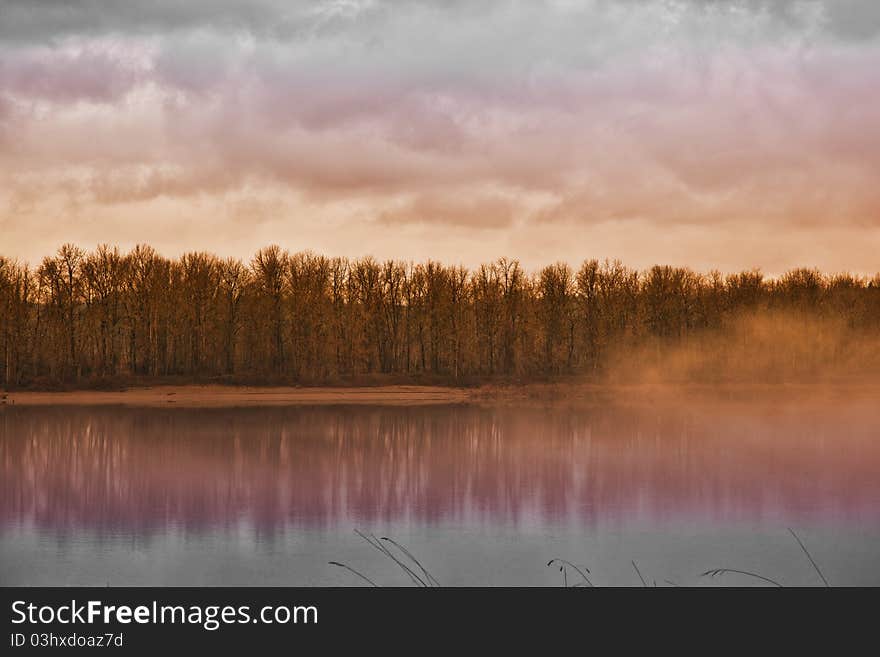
x=68 y=76
x=757 y=135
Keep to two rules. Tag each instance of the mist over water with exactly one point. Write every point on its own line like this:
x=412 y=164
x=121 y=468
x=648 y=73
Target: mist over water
x=483 y=494
x=770 y=347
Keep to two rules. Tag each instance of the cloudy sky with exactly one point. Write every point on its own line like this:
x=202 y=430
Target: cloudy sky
x=710 y=133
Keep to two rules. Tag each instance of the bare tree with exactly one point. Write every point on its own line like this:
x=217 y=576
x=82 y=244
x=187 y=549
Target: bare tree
x=304 y=317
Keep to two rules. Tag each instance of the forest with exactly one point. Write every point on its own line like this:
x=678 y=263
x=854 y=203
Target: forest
x=94 y=318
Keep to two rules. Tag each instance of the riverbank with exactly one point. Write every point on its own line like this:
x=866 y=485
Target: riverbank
x=218 y=396
x=212 y=395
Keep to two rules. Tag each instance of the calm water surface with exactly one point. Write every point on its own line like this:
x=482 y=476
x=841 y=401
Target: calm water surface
x=482 y=495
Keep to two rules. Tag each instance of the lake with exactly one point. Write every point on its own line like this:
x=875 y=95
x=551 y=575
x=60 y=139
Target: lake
x=480 y=494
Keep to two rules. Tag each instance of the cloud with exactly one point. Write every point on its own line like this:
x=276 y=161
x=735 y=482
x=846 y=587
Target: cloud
x=854 y=20
x=48 y=20
x=518 y=118
x=473 y=211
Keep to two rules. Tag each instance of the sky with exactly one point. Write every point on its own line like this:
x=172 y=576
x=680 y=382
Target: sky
x=705 y=133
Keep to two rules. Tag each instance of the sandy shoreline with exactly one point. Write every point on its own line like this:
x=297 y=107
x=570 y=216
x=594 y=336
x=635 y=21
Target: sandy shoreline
x=217 y=396
x=192 y=395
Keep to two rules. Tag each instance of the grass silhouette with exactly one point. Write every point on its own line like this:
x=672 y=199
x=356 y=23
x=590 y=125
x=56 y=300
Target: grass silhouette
x=424 y=579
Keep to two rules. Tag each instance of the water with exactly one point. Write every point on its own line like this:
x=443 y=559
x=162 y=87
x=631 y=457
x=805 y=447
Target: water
x=482 y=495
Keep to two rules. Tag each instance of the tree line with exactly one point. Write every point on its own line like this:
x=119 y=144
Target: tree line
x=83 y=317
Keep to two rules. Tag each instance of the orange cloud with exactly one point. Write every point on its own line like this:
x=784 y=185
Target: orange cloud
x=559 y=128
